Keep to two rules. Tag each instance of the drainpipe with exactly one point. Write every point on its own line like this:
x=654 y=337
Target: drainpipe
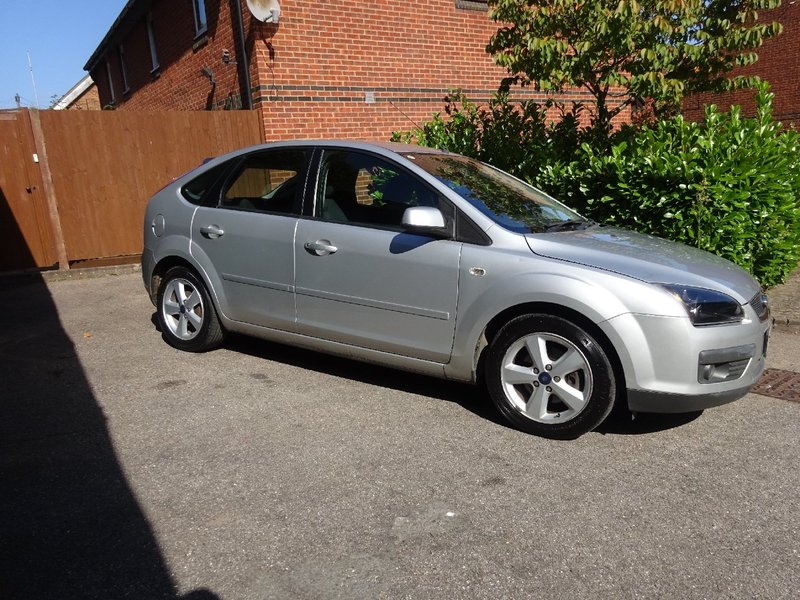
x=248 y=99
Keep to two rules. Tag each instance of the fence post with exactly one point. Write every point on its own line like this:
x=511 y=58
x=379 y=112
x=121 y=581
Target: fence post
x=49 y=189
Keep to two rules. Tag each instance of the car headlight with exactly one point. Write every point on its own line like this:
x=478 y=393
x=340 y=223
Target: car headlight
x=706 y=307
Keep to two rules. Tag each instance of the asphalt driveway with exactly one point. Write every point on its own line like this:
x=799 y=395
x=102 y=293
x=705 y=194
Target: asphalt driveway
x=131 y=470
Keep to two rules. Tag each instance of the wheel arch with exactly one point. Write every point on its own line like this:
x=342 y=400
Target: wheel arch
x=509 y=314
x=160 y=269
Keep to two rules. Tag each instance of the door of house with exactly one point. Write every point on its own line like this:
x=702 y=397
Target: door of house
x=26 y=239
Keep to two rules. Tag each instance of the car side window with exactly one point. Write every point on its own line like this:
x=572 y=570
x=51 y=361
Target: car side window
x=364 y=189
x=269 y=181
x=195 y=190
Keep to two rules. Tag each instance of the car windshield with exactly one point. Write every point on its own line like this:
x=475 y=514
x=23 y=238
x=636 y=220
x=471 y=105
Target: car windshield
x=509 y=202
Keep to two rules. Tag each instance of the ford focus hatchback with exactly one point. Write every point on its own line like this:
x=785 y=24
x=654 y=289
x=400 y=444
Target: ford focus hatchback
x=435 y=263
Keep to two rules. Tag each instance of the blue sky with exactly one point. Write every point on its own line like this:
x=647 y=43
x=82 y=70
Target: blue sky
x=60 y=35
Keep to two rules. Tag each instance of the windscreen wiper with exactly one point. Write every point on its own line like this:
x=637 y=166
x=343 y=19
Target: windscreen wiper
x=573 y=225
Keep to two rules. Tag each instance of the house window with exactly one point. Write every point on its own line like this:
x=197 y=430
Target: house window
x=200 y=19
x=151 y=40
x=111 y=83
x=124 y=71
x=472 y=4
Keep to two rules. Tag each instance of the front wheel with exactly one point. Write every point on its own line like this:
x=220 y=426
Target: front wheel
x=186 y=315
x=549 y=377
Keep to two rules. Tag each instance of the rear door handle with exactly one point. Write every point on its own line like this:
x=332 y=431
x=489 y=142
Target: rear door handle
x=320 y=247
x=212 y=231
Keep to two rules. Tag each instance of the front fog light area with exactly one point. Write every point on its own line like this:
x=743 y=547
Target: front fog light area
x=726 y=364
x=706 y=307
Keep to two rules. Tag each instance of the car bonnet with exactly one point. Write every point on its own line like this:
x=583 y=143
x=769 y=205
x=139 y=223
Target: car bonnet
x=646 y=258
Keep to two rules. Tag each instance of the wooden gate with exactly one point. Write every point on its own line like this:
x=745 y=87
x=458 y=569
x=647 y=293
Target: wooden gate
x=96 y=171
x=26 y=237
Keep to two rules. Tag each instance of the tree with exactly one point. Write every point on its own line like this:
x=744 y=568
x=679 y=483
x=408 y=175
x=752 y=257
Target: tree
x=623 y=51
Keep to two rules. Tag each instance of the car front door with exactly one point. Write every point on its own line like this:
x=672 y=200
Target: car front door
x=247 y=238
x=360 y=279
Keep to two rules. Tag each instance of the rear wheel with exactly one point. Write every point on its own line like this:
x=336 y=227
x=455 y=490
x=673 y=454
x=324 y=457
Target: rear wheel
x=550 y=377
x=185 y=313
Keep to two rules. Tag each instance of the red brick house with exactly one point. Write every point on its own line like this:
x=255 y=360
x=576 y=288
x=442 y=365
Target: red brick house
x=334 y=68
x=778 y=63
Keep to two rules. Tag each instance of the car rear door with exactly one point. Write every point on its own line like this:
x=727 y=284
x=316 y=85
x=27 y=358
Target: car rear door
x=361 y=280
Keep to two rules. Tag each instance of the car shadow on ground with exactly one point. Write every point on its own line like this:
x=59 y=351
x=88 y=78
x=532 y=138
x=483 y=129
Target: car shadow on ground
x=470 y=397
x=622 y=422
x=70 y=524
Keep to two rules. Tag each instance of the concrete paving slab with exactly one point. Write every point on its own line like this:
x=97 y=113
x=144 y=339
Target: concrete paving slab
x=785 y=304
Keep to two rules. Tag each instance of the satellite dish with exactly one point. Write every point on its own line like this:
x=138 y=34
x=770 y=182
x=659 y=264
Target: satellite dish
x=266 y=11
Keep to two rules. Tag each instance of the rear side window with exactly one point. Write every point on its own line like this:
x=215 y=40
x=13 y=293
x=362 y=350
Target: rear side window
x=269 y=181
x=197 y=188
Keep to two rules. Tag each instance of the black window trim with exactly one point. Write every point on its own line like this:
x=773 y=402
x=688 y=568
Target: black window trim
x=208 y=196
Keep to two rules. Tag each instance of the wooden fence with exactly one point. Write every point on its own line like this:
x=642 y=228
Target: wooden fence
x=74 y=184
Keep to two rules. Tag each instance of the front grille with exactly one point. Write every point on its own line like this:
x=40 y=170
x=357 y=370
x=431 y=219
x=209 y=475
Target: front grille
x=760 y=304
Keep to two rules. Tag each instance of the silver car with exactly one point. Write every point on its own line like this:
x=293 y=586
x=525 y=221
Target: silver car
x=435 y=263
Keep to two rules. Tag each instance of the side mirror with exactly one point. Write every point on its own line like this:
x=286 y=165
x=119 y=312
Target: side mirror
x=426 y=220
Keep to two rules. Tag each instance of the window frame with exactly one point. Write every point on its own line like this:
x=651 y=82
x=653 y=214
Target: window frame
x=446 y=207
x=200 y=27
x=126 y=88
x=151 y=41
x=476 y=5
x=239 y=164
x=210 y=195
x=111 y=83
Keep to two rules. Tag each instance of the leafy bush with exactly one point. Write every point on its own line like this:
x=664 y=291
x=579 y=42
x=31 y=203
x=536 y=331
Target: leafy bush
x=730 y=185
x=516 y=137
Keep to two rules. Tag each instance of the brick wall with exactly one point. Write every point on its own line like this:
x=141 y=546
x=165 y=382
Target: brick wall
x=778 y=62
x=178 y=83
x=332 y=69
x=88 y=100
x=353 y=69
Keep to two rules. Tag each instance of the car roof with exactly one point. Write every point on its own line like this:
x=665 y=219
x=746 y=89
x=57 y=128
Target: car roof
x=382 y=147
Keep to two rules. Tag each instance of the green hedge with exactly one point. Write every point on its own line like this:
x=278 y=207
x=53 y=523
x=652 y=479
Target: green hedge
x=730 y=185
x=515 y=137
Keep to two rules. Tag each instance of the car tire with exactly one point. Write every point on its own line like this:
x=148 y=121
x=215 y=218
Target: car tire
x=186 y=314
x=549 y=377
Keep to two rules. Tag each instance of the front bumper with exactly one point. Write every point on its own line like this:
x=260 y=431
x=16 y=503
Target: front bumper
x=671 y=366
x=660 y=402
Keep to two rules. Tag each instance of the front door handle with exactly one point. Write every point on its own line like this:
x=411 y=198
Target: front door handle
x=320 y=247
x=212 y=231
